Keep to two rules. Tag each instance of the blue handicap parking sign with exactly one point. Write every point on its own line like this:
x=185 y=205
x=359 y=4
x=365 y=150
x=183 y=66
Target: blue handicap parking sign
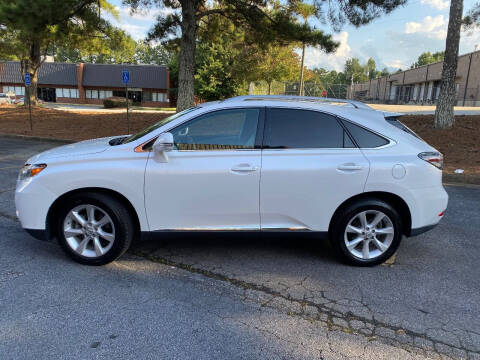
x=125 y=76
x=27 y=79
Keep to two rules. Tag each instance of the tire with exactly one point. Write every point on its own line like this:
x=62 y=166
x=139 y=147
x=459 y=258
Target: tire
x=381 y=241
x=97 y=242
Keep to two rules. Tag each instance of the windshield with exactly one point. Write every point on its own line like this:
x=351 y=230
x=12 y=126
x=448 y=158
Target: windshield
x=157 y=125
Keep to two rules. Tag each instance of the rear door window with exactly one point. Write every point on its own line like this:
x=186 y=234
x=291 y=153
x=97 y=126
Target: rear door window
x=363 y=137
x=300 y=129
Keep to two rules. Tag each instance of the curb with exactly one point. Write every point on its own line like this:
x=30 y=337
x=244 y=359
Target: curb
x=40 y=138
x=461 y=179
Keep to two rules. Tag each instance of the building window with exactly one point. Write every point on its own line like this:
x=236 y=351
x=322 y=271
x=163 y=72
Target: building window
x=66 y=93
x=154 y=96
x=18 y=90
x=119 y=93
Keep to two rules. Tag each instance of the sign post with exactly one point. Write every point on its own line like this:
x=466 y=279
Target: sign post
x=27 y=87
x=126 y=80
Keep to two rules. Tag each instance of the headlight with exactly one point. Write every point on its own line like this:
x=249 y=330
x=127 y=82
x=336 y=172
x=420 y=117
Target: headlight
x=30 y=170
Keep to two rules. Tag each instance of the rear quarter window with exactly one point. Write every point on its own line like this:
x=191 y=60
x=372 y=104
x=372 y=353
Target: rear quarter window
x=363 y=137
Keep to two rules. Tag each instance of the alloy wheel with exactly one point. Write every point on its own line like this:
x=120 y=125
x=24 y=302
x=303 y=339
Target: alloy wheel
x=89 y=231
x=369 y=234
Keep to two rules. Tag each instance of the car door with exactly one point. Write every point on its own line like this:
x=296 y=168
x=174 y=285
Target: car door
x=211 y=179
x=310 y=165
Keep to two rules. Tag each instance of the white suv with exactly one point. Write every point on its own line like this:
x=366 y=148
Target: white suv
x=334 y=167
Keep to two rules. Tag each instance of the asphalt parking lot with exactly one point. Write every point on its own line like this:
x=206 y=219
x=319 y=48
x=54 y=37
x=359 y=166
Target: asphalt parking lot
x=239 y=296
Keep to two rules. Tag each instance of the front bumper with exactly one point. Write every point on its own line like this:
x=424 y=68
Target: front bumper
x=32 y=201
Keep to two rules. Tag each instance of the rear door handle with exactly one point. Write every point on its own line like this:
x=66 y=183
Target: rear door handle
x=244 y=168
x=350 y=167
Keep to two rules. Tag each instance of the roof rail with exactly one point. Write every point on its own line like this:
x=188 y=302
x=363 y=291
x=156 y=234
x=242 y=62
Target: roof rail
x=354 y=103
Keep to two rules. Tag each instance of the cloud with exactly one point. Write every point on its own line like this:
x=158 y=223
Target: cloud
x=397 y=64
x=437 y=4
x=318 y=58
x=141 y=15
x=139 y=23
x=136 y=31
x=431 y=27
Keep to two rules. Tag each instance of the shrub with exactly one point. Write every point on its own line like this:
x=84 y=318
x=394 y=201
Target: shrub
x=115 y=102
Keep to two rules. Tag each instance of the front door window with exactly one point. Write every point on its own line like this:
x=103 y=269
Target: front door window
x=219 y=130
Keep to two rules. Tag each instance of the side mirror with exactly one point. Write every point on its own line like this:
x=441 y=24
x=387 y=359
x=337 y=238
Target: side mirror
x=163 y=143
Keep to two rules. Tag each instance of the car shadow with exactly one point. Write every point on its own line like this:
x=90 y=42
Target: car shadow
x=226 y=244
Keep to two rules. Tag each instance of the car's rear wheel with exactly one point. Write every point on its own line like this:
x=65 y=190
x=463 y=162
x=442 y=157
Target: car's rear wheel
x=94 y=228
x=367 y=232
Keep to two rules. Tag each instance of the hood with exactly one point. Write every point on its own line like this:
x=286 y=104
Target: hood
x=73 y=150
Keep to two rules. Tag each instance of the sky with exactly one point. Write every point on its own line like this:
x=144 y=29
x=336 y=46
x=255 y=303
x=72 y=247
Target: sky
x=394 y=41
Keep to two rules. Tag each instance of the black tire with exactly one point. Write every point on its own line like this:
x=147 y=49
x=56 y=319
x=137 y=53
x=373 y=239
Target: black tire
x=121 y=217
x=347 y=213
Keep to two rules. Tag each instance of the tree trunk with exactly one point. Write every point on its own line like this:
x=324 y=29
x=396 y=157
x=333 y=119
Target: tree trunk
x=251 y=88
x=269 y=88
x=31 y=66
x=444 y=116
x=186 y=67
x=300 y=89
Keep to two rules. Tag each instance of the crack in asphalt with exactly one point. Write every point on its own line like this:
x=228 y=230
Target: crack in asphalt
x=9 y=217
x=332 y=319
x=347 y=322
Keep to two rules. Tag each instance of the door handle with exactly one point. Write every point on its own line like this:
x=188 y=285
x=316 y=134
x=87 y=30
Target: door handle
x=350 y=167
x=244 y=168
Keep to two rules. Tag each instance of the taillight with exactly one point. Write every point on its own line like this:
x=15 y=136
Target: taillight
x=434 y=158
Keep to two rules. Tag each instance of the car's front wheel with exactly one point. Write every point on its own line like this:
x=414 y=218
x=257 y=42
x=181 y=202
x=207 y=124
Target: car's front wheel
x=367 y=232
x=94 y=228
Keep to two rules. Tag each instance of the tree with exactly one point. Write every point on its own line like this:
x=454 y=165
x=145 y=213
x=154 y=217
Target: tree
x=116 y=48
x=36 y=25
x=354 y=71
x=215 y=76
x=270 y=20
x=384 y=72
x=371 y=69
x=148 y=54
x=304 y=11
x=278 y=63
x=444 y=116
x=426 y=58
x=9 y=46
x=269 y=23
x=472 y=20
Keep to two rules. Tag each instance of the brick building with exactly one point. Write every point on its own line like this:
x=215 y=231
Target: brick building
x=421 y=85
x=90 y=83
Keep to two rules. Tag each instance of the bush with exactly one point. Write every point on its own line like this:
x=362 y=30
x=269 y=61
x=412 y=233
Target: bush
x=115 y=102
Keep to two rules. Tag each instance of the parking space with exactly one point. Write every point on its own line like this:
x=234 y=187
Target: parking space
x=242 y=295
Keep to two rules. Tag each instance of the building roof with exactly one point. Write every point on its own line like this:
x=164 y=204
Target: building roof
x=94 y=75
x=141 y=76
x=49 y=73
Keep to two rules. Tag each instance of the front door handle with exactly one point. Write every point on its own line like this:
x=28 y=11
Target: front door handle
x=350 y=167
x=244 y=168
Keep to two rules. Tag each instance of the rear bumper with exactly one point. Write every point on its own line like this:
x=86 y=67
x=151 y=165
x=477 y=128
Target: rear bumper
x=428 y=206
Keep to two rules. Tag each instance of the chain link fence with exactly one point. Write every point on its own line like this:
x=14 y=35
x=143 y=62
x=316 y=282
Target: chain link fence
x=413 y=94
x=310 y=88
